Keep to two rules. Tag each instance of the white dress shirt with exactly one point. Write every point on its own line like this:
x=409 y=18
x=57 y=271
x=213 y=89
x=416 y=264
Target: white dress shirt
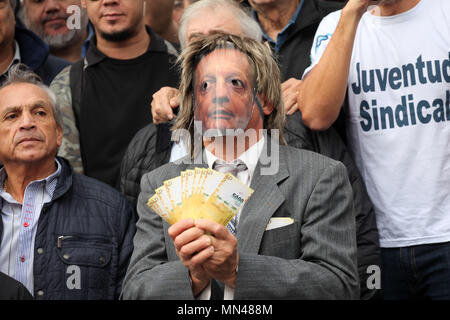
x=178 y=151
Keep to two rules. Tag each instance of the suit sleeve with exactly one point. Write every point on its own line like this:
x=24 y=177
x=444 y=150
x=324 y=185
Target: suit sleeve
x=150 y=274
x=326 y=267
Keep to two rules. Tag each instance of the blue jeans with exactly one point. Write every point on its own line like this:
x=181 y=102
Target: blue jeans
x=416 y=272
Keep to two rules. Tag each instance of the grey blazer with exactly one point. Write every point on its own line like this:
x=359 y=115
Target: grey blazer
x=313 y=258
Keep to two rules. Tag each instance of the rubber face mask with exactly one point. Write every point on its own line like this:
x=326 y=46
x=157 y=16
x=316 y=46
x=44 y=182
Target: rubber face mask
x=224 y=93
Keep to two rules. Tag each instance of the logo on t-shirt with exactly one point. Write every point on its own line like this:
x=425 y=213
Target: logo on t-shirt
x=321 y=39
x=408 y=111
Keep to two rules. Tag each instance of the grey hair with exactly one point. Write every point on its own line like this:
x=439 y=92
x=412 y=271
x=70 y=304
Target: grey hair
x=250 y=28
x=19 y=73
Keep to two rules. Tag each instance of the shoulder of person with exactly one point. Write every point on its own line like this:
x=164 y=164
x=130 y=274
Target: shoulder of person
x=332 y=17
x=61 y=81
x=327 y=6
x=51 y=68
x=144 y=140
x=172 y=48
x=156 y=177
x=11 y=289
x=96 y=192
x=307 y=160
x=57 y=64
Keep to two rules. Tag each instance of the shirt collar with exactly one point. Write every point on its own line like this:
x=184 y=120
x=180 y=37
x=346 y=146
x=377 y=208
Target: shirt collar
x=50 y=182
x=16 y=58
x=250 y=157
x=284 y=33
x=87 y=42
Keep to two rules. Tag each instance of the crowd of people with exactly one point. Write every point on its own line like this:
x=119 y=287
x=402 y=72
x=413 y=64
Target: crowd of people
x=333 y=112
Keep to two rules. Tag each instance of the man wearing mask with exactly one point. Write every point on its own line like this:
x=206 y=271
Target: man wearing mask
x=232 y=84
x=152 y=145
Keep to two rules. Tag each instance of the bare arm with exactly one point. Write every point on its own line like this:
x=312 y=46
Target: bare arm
x=323 y=91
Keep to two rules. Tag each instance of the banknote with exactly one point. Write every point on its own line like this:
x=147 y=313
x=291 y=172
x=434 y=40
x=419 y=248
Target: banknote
x=200 y=194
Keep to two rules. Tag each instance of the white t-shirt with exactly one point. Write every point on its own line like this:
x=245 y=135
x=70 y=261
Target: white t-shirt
x=398 y=122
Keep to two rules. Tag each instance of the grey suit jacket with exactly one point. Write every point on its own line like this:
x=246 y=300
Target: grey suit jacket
x=313 y=258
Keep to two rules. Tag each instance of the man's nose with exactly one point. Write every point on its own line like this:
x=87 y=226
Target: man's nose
x=52 y=6
x=221 y=95
x=27 y=122
x=220 y=100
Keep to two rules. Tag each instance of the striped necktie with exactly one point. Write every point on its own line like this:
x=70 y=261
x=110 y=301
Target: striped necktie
x=234 y=168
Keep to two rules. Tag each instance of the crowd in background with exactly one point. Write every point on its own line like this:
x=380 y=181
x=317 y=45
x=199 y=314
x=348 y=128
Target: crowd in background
x=91 y=91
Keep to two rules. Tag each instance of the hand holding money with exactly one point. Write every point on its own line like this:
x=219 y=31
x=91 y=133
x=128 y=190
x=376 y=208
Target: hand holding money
x=200 y=194
x=222 y=264
x=208 y=250
x=193 y=247
x=199 y=204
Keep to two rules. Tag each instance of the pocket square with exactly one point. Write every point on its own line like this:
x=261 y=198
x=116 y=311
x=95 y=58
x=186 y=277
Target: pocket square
x=275 y=223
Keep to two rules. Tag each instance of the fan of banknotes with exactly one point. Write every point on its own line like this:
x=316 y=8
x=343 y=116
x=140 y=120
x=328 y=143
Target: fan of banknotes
x=200 y=194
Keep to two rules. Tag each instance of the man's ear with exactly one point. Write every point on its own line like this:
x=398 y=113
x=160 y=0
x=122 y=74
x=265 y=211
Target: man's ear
x=59 y=136
x=83 y=3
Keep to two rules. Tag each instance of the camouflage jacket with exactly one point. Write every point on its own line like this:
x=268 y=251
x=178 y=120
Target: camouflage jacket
x=70 y=148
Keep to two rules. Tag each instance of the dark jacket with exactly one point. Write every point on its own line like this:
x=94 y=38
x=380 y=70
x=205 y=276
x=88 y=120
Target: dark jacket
x=294 y=54
x=149 y=149
x=11 y=289
x=84 y=240
x=35 y=54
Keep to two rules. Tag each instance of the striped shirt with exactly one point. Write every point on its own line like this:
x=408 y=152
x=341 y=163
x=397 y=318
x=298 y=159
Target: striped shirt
x=20 y=223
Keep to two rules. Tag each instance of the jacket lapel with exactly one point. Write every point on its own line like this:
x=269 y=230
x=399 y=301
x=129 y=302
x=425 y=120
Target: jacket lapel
x=261 y=206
